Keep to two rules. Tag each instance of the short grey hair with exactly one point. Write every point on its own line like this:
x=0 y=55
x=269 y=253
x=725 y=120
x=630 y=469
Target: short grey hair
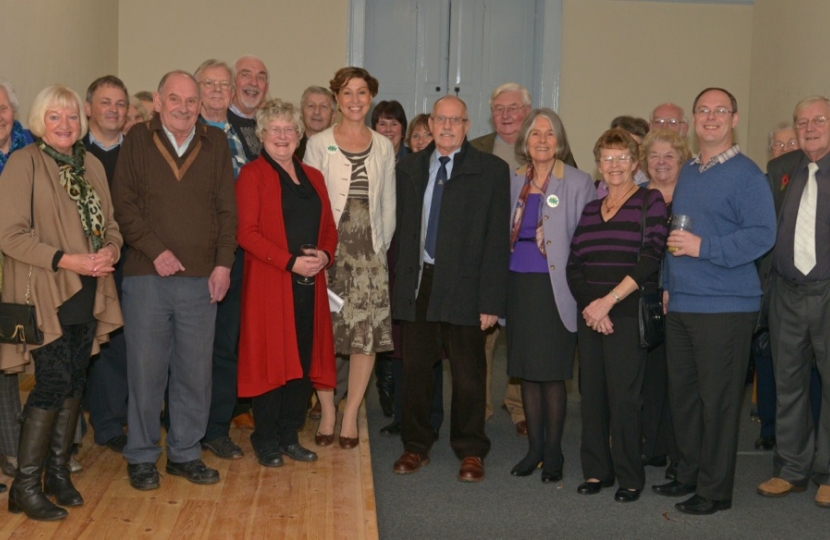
x=257 y=58
x=10 y=93
x=175 y=72
x=211 y=63
x=318 y=90
x=511 y=87
x=277 y=108
x=806 y=102
x=780 y=126
x=522 y=152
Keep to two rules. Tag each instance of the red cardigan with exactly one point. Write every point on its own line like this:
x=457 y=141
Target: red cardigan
x=268 y=355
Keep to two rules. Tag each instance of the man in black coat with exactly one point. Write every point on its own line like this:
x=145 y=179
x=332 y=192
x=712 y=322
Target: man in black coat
x=453 y=216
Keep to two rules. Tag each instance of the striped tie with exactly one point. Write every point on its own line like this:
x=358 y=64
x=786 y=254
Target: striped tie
x=804 y=250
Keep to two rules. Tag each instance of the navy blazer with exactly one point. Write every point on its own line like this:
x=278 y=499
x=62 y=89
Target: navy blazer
x=473 y=244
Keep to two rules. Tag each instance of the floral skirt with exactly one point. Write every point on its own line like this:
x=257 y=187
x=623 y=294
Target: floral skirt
x=361 y=277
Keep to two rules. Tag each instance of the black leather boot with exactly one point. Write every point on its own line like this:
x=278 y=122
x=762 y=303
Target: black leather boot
x=26 y=493
x=385 y=384
x=56 y=481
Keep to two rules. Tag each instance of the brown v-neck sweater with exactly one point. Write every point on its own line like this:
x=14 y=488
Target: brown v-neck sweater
x=185 y=204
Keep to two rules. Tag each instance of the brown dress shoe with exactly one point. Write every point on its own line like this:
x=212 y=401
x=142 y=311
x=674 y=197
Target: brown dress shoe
x=472 y=470
x=823 y=496
x=521 y=428
x=324 y=440
x=410 y=462
x=778 y=487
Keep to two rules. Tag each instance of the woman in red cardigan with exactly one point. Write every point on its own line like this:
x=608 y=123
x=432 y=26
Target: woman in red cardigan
x=285 y=341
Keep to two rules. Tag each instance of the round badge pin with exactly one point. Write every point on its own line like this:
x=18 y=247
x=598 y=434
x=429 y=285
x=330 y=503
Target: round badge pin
x=553 y=201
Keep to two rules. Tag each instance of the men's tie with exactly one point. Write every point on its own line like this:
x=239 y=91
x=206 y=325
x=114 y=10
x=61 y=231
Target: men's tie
x=435 y=207
x=804 y=250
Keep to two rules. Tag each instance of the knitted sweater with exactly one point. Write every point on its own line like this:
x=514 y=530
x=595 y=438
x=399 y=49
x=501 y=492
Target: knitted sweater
x=732 y=211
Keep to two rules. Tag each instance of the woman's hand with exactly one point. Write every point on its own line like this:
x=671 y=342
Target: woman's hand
x=596 y=311
x=107 y=255
x=605 y=326
x=86 y=264
x=307 y=266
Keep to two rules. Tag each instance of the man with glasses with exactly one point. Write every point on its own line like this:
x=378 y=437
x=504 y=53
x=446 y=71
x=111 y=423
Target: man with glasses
x=713 y=295
x=250 y=83
x=669 y=116
x=453 y=206
x=215 y=90
x=799 y=320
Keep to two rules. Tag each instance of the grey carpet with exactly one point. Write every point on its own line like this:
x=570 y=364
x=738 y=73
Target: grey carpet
x=432 y=504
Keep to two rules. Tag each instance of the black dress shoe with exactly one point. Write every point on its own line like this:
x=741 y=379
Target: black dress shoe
x=523 y=468
x=671 y=471
x=701 y=506
x=655 y=461
x=117 y=443
x=223 y=447
x=298 y=453
x=627 y=495
x=674 y=489
x=392 y=430
x=551 y=477
x=765 y=443
x=592 y=488
x=143 y=476
x=272 y=458
x=193 y=471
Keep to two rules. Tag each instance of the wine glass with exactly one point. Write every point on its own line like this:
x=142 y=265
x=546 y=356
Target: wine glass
x=309 y=250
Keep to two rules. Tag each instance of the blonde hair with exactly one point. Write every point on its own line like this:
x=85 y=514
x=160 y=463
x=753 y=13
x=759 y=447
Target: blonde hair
x=51 y=98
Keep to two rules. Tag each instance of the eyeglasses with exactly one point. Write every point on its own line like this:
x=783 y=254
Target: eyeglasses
x=792 y=144
x=454 y=120
x=499 y=110
x=608 y=160
x=208 y=84
x=670 y=122
x=276 y=131
x=818 y=121
x=717 y=111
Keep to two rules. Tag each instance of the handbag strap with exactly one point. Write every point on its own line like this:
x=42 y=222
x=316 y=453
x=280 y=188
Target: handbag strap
x=643 y=241
x=31 y=233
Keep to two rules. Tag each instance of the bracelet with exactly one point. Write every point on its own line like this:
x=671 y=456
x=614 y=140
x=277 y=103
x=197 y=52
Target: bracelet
x=616 y=296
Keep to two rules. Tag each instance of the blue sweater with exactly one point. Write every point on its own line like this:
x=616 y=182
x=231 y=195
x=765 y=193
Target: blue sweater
x=732 y=211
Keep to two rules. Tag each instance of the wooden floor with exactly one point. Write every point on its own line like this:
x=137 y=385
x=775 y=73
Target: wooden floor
x=331 y=498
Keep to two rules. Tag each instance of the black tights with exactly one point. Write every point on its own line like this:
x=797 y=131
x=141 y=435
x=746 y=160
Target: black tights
x=544 y=405
x=60 y=367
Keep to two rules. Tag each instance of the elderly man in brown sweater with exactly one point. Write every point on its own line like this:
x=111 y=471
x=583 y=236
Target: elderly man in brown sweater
x=174 y=198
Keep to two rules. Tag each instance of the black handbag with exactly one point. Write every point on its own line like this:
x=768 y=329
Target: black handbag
x=18 y=322
x=650 y=310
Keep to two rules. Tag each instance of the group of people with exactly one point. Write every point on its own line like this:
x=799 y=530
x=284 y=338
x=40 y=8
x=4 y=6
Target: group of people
x=219 y=232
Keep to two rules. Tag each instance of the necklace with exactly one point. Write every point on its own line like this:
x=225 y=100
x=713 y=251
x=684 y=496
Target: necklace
x=537 y=186
x=620 y=200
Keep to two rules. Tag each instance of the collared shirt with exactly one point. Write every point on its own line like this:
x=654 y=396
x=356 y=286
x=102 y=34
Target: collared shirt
x=434 y=165
x=237 y=112
x=783 y=254
x=100 y=145
x=238 y=157
x=723 y=157
x=180 y=150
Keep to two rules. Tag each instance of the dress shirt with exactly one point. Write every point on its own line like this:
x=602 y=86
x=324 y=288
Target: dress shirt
x=100 y=145
x=180 y=150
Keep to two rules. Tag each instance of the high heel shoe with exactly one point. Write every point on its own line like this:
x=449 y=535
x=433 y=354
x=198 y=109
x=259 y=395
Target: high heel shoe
x=347 y=443
x=525 y=467
x=551 y=477
x=321 y=439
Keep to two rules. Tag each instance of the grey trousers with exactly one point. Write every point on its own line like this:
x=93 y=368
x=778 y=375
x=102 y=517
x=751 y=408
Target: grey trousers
x=169 y=326
x=9 y=412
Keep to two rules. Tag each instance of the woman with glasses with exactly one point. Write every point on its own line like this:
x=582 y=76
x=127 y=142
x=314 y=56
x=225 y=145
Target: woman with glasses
x=359 y=166
x=285 y=340
x=611 y=257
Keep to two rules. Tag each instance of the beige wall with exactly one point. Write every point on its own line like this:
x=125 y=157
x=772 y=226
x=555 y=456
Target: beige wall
x=788 y=38
x=71 y=42
x=626 y=57
x=301 y=42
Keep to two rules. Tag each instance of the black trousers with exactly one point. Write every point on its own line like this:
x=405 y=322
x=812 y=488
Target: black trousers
x=280 y=413
x=60 y=367
x=658 y=430
x=611 y=372
x=708 y=355
x=422 y=344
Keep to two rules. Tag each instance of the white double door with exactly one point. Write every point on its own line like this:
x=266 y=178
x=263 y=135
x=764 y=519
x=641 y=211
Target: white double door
x=421 y=50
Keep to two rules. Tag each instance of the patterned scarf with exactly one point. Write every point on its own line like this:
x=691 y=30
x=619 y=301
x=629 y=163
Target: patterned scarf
x=18 y=141
x=79 y=190
x=518 y=215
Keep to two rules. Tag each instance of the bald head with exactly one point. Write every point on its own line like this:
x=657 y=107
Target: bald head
x=669 y=116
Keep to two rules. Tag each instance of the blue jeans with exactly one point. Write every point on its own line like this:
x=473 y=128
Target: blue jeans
x=169 y=328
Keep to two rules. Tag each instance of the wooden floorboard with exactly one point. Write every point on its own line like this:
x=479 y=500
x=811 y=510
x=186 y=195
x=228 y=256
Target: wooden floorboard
x=329 y=499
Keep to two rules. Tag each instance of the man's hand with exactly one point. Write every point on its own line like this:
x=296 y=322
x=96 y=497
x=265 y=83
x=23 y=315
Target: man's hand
x=684 y=243
x=167 y=264
x=487 y=321
x=665 y=302
x=219 y=283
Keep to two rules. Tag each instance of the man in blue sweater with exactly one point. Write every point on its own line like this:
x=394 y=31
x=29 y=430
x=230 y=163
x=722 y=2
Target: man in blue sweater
x=713 y=295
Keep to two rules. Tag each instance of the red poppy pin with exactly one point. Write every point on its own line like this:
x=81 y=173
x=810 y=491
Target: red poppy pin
x=784 y=181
